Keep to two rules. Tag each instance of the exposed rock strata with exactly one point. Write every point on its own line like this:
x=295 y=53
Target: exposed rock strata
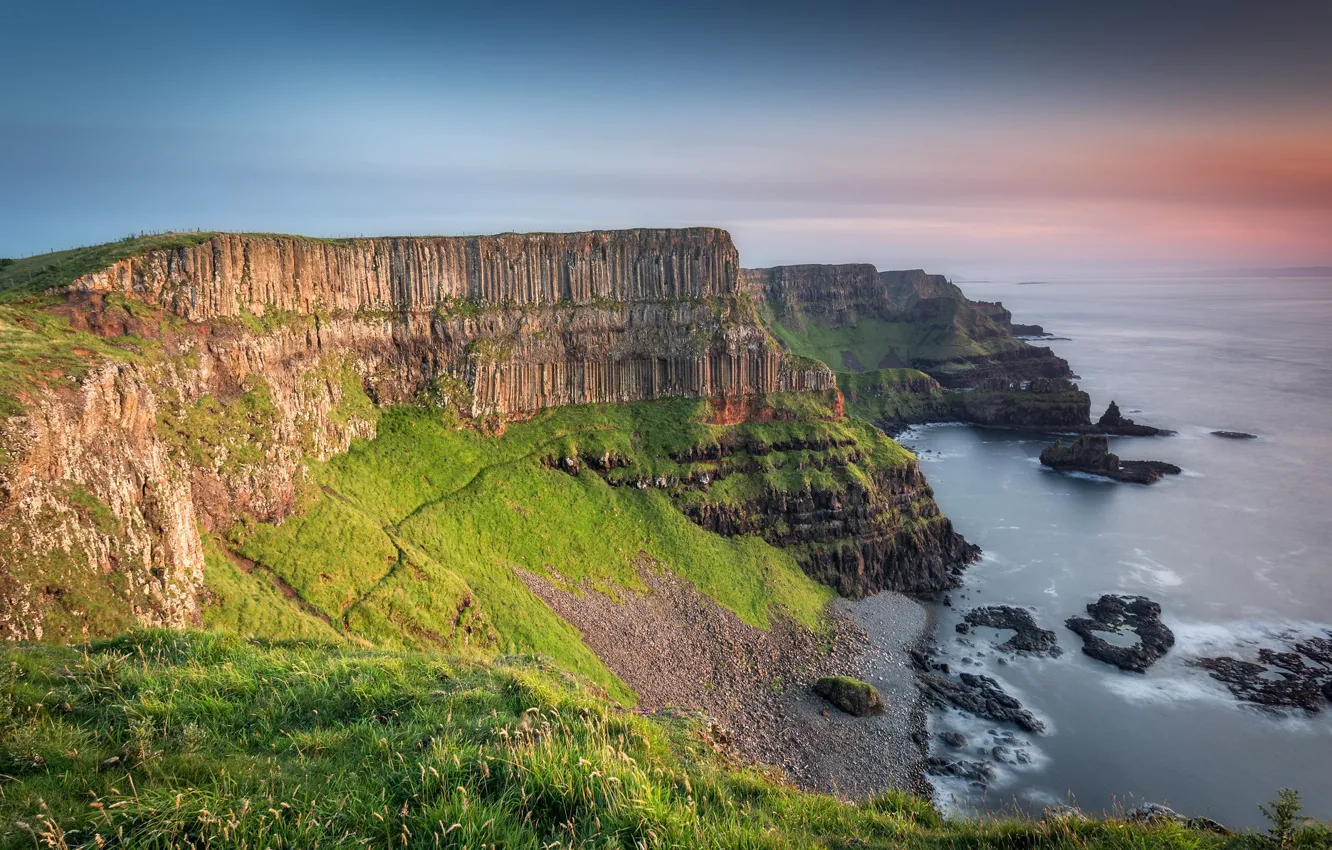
x=1092 y=455
x=884 y=534
x=1116 y=615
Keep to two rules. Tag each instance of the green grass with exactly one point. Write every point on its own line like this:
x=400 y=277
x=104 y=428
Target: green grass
x=40 y=349
x=168 y=739
x=33 y=275
x=893 y=396
x=394 y=535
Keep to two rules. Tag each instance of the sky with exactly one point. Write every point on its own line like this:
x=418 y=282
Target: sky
x=975 y=139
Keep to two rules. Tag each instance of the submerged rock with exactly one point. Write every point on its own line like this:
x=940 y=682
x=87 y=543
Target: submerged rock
x=978 y=695
x=850 y=695
x=1235 y=435
x=956 y=740
x=1115 y=614
x=1279 y=679
x=1092 y=455
x=1028 y=637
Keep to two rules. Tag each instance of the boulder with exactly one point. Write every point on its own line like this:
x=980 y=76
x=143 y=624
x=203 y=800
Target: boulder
x=850 y=695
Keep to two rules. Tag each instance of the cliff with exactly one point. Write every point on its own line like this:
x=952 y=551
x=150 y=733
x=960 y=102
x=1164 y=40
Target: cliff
x=186 y=387
x=857 y=317
x=903 y=342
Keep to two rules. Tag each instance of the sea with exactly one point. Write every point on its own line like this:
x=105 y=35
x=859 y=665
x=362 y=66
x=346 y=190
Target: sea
x=1237 y=550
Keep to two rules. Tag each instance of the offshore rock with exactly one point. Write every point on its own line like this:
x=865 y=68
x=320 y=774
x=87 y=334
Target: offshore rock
x=1235 y=435
x=978 y=695
x=1113 y=422
x=1028 y=638
x=1116 y=614
x=1300 y=677
x=1092 y=455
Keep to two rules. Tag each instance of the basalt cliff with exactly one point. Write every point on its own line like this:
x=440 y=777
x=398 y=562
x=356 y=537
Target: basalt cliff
x=911 y=347
x=163 y=401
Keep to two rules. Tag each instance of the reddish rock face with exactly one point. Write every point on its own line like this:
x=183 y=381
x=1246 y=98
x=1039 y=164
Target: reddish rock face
x=526 y=320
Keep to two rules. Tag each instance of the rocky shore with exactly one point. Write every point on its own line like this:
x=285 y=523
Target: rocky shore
x=683 y=653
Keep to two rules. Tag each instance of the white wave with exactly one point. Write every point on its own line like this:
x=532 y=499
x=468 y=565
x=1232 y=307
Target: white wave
x=1150 y=572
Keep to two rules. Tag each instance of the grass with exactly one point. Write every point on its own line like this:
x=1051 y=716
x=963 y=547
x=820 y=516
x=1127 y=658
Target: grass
x=404 y=537
x=40 y=349
x=33 y=275
x=169 y=739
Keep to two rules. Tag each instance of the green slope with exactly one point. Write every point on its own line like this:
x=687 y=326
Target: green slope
x=397 y=534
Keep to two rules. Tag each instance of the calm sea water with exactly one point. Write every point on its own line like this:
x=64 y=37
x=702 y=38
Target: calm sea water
x=1236 y=549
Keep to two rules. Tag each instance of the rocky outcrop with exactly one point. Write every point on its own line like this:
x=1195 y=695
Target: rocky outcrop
x=1092 y=455
x=979 y=695
x=1115 y=615
x=865 y=522
x=1113 y=422
x=1028 y=638
x=884 y=533
x=1041 y=404
x=1299 y=677
x=1235 y=435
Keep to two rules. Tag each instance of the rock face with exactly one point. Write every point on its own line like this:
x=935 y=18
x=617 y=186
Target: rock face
x=1092 y=455
x=1116 y=614
x=251 y=354
x=524 y=320
x=1028 y=637
x=853 y=696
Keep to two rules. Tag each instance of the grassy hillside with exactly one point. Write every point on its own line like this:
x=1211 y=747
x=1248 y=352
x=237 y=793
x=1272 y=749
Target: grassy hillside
x=168 y=739
x=404 y=535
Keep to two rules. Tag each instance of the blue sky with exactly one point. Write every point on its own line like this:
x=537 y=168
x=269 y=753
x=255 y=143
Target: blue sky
x=964 y=137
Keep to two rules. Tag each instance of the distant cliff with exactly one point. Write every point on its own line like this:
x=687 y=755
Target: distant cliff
x=903 y=343
x=897 y=319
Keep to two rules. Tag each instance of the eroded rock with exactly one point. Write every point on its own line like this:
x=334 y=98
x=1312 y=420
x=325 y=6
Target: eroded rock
x=1117 y=614
x=978 y=695
x=1028 y=637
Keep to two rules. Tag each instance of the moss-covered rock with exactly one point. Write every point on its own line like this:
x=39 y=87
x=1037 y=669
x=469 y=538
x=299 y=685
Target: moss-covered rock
x=850 y=695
